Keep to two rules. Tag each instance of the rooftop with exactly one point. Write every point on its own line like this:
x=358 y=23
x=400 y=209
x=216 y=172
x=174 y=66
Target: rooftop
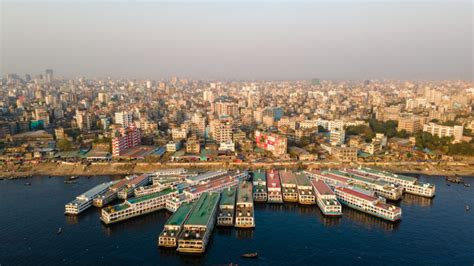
x=244 y=192
x=202 y=210
x=180 y=215
x=228 y=196
x=302 y=180
x=151 y=196
x=287 y=177
x=259 y=176
x=321 y=187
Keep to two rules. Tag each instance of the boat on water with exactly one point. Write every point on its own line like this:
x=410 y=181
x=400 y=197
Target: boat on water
x=468 y=208
x=69 y=182
x=73 y=177
x=252 y=255
x=27 y=184
x=60 y=230
x=467 y=185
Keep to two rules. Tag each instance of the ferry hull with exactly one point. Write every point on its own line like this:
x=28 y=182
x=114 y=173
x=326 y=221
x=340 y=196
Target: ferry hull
x=370 y=213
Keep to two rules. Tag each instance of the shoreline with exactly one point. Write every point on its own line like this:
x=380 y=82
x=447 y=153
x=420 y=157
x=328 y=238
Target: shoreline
x=128 y=168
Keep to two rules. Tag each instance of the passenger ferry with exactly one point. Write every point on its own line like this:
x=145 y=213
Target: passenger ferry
x=138 y=206
x=348 y=178
x=213 y=185
x=259 y=186
x=174 y=225
x=244 y=212
x=410 y=184
x=170 y=172
x=227 y=207
x=145 y=190
x=288 y=184
x=205 y=177
x=198 y=227
x=274 y=187
x=326 y=198
x=84 y=201
x=305 y=190
x=112 y=192
x=369 y=204
x=136 y=182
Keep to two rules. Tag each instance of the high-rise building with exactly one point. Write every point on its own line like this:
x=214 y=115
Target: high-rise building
x=337 y=137
x=41 y=113
x=48 y=76
x=225 y=107
x=221 y=130
x=125 y=138
x=444 y=131
x=124 y=118
x=410 y=124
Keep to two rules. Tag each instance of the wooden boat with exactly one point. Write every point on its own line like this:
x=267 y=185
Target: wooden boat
x=250 y=255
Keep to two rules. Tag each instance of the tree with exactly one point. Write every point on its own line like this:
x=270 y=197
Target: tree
x=64 y=145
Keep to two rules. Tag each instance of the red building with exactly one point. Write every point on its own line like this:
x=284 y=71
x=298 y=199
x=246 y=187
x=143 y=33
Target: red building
x=271 y=142
x=125 y=139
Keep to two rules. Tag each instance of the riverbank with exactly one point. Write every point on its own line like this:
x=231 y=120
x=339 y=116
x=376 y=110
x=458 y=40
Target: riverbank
x=126 y=168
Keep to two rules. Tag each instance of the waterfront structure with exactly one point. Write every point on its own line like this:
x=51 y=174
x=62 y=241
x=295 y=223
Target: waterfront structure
x=350 y=178
x=84 y=201
x=112 y=192
x=368 y=204
x=274 y=143
x=288 y=184
x=134 y=183
x=244 y=209
x=138 y=206
x=169 y=236
x=259 y=186
x=216 y=184
x=194 y=180
x=409 y=184
x=227 y=207
x=274 y=194
x=125 y=139
x=198 y=227
x=305 y=190
x=326 y=198
x=444 y=131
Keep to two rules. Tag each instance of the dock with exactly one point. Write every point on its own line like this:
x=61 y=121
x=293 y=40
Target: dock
x=259 y=186
x=244 y=212
x=198 y=227
x=227 y=207
x=174 y=225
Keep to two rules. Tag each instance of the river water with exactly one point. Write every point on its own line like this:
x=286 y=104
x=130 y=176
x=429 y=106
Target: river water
x=435 y=231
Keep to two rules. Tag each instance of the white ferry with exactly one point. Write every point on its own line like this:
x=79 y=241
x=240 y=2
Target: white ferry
x=305 y=190
x=410 y=184
x=288 y=184
x=369 y=204
x=174 y=225
x=138 y=206
x=84 y=201
x=227 y=207
x=326 y=198
x=259 y=186
x=244 y=210
x=136 y=182
x=216 y=184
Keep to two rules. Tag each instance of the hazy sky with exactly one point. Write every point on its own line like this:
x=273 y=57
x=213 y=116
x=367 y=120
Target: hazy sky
x=239 y=39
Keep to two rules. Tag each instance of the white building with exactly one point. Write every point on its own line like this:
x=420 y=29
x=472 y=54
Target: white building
x=123 y=118
x=444 y=131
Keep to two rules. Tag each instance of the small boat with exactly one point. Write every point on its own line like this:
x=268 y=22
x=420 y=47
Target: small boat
x=250 y=255
x=27 y=184
x=73 y=177
x=69 y=182
x=467 y=185
x=60 y=230
x=468 y=208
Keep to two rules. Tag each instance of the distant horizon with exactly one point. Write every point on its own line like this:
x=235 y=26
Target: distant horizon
x=239 y=41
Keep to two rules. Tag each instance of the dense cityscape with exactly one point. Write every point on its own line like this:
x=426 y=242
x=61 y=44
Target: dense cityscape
x=49 y=119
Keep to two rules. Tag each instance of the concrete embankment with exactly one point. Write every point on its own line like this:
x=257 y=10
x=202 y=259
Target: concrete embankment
x=125 y=168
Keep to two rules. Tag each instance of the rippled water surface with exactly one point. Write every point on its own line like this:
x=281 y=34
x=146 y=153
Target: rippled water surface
x=435 y=231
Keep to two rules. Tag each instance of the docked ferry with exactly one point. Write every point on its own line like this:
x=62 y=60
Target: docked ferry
x=138 y=206
x=326 y=198
x=112 y=192
x=274 y=187
x=216 y=184
x=259 y=186
x=288 y=184
x=369 y=204
x=227 y=207
x=174 y=225
x=84 y=201
x=244 y=217
x=305 y=190
x=136 y=182
x=198 y=227
x=348 y=178
x=410 y=184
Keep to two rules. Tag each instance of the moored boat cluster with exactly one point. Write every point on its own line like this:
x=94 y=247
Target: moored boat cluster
x=226 y=198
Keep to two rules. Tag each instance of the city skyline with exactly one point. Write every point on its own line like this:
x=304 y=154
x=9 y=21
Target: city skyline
x=234 y=41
